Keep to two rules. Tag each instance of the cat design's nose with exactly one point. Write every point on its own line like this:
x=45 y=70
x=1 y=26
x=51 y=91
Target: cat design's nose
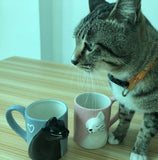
x=74 y=60
x=90 y=130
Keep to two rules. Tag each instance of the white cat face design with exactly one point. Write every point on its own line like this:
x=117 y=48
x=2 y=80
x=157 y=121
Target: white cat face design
x=96 y=124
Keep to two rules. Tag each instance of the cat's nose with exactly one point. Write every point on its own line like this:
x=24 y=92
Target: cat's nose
x=74 y=60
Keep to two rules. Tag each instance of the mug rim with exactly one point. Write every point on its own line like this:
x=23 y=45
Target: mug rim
x=99 y=109
x=44 y=100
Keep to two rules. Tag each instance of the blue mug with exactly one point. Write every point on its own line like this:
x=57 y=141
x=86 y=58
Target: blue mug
x=36 y=116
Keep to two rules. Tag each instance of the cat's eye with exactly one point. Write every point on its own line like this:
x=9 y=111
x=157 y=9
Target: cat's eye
x=92 y=45
x=89 y=46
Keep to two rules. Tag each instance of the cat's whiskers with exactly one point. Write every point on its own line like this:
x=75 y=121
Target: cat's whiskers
x=77 y=79
x=93 y=89
x=82 y=80
x=100 y=79
x=88 y=82
x=92 y=82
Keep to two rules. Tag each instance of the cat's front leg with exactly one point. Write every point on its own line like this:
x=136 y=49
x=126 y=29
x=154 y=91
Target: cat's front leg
x=125 y=117
x=148 y=130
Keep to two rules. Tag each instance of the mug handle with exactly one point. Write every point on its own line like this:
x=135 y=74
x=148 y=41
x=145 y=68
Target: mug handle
x=11 y=121
x=116 y=116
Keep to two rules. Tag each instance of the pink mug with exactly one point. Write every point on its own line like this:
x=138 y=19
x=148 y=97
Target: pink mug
x=92 y=121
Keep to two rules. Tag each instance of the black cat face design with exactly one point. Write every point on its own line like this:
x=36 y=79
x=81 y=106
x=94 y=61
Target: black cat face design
x=56 y=128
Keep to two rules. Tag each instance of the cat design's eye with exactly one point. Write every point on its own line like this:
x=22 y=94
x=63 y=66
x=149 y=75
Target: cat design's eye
x=51 y=130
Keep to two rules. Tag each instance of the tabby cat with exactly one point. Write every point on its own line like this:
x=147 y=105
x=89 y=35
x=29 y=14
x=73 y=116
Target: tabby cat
x=118 y=38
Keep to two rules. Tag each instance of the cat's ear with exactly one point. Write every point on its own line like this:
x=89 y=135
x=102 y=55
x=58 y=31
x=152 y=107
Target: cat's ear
x=101 y=116
x=95 y=3
x=127 y=11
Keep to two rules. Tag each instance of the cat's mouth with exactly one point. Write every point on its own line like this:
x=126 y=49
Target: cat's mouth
x=87 y=67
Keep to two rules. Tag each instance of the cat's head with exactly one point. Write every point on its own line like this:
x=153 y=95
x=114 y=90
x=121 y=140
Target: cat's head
x=96 y=124
x=109 y=36
x=55 y=129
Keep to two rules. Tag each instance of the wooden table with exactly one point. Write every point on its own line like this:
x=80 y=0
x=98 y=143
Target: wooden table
x=23 y=81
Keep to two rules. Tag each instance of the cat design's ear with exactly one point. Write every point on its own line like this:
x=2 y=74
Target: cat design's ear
x=95 y=3
x=127 y=11
x=101 y=116
x=51 y=121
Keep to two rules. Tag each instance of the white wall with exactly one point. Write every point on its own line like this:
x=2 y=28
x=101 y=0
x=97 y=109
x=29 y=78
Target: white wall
x=51 y=29
x=73 y=12
x=150 y=10
x=65 y=15
x=19 y=28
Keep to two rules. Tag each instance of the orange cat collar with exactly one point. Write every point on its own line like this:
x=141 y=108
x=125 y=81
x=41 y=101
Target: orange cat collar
x=136 y=79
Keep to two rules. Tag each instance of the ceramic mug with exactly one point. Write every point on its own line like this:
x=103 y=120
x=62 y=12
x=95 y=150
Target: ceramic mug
x=92 y=119
x=36 y=115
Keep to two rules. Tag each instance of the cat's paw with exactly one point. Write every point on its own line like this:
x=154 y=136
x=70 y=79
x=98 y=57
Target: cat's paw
x=135 y=156
x=112 y=139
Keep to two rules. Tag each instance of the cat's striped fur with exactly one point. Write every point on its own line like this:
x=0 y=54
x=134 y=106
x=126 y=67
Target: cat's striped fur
x=118 y=38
